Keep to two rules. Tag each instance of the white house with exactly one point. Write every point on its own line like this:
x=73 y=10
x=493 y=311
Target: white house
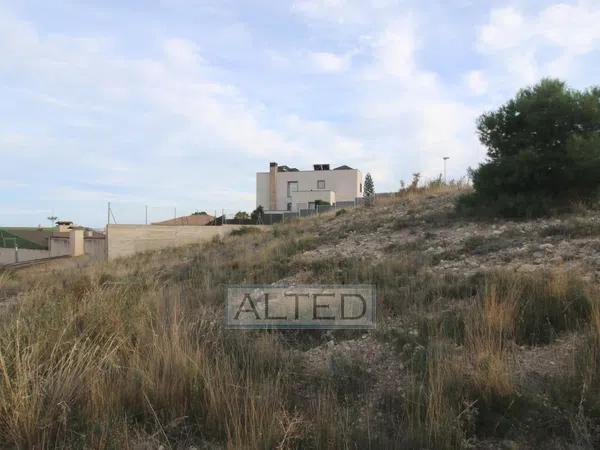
x=285 y=188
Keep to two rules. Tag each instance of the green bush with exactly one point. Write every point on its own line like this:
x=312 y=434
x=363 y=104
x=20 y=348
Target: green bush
x=543 y=152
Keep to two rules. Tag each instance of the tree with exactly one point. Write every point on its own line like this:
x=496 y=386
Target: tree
x=241 y=215
x=369 y=189
x=257 y=214
x=543 y=151
x=414 y=184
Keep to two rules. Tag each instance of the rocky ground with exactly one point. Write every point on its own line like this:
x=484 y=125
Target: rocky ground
x=571 y=242
x=459 y=246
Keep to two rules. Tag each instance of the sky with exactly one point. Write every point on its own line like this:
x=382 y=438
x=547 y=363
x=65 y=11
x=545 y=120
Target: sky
x=176 y=104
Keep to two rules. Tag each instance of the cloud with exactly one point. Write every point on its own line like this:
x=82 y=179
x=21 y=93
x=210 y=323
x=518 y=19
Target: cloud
x=185 y=111
x=344 y=12
x=394 y=48
x=506 y=29
x=185 y=114
x=549 y=43
x=476 y=82
x=326 y=62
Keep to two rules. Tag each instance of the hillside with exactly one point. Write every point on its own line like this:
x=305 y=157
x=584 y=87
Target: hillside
x=488 y=336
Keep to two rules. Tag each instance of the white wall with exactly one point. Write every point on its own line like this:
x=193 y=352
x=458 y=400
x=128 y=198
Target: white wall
x=301 y=199
x=7 y=255
x=345 y=184
x=125 y=240
x=262 y=190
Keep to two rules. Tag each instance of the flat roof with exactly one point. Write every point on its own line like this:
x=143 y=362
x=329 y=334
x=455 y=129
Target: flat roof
x=318 y=171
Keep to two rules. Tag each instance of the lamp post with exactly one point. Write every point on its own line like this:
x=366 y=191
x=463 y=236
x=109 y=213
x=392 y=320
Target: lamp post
x=445 y=158
x=52 y=218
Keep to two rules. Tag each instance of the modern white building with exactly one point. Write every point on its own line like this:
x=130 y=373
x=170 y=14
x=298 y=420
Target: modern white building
x=284 y=188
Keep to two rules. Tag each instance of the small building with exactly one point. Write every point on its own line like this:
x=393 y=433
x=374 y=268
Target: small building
x=20 y=244
x=286 y=189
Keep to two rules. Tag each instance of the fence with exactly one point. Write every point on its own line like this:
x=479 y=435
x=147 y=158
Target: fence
x=138 y=213
x=121 y=213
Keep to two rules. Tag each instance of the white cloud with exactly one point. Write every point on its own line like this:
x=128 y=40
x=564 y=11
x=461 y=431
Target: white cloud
x=506 y=29
x=394 y=49
x=418 y=112
x=326 y=62
x=476 y=82
x=571 y=27
x=137 y=127
x=523 y=48
x=164 y=120
x=575 y=28
x=343 y=12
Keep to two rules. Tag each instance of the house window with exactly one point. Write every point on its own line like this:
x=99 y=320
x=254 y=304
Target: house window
x=360 y=190
x=289 y=206
x=292 y=187
x=320 y=184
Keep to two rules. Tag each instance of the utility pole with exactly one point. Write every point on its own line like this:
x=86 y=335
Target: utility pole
x=108 y=214
x=446 y=158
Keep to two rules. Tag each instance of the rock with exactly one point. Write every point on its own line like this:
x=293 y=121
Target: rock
x=546 y=247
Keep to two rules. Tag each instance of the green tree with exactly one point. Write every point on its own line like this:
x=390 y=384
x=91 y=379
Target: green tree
x=543 y=149
x=257 y=214
x=241 y=215
x=369 y=189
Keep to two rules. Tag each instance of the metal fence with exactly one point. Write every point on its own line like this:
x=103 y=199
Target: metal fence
x=139 y=213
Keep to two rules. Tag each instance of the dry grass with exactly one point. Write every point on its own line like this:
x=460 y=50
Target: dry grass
x=430 y=189
x=87 y=367
x=433 y=416
x=489 y=334
x=133 y=354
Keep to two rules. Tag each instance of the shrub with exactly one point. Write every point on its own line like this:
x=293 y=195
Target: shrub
x=543 y=150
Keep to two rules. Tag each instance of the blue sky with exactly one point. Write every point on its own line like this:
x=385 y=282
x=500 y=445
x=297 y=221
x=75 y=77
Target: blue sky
x=178 y=103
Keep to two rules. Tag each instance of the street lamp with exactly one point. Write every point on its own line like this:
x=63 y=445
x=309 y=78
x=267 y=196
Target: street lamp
x=445 y=158
x=52 y=218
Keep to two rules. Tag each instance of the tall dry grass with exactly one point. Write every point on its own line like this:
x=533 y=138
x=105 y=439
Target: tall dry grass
x=86 y=368
x=433 y=410
x=489 y=339
x=134 y=353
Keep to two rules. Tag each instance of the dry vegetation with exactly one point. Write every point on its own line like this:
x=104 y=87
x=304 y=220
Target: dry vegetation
x=133 y=354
